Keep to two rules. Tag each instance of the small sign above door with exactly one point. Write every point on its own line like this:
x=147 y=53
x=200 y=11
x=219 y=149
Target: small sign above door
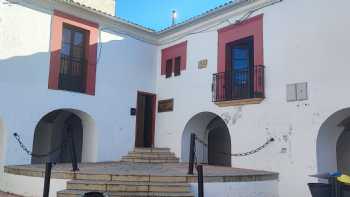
x=166 y=105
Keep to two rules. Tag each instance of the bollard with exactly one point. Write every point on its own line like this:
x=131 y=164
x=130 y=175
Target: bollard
x=192 y=153
x=200 y=181
x=47 y=179
x=73 y=154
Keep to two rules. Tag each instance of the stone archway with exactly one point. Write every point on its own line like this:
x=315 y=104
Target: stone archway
x=333 y=147
x=56 y=131
x=213 y=132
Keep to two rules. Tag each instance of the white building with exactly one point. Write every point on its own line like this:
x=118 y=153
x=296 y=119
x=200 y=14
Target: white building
x=248 y=70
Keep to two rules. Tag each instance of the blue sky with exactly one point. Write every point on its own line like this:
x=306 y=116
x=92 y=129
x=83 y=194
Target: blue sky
x=156 y=14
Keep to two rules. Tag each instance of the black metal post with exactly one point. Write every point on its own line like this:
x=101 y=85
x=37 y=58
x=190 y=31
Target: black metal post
x=47 y=179
x=200 y=181
x=192 y=152
x=74 y=155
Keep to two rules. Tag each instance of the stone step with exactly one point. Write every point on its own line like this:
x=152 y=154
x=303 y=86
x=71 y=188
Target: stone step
x=164 y=157
x=151 y=150
x=153 y=178
x=150 y=160
x=151 y=154
x=127 y=186
x=147 y=178
x=79 y=193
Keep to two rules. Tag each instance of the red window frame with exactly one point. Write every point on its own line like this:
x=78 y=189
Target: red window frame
x=172 y=52
x=252 y=27
x=58 y=20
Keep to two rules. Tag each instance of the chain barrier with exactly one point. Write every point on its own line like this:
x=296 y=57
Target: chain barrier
x=30 y=153
x=269 y=141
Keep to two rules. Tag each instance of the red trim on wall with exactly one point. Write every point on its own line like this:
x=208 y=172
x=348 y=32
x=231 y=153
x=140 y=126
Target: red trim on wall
x=58 y=19
x=250 y=27
x=173 y=52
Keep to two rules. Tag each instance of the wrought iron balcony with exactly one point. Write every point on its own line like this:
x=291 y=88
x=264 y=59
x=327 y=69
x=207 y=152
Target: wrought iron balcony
x=72 y=74
x=239 y=84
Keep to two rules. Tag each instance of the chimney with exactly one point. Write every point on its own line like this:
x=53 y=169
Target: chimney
x=107 y=6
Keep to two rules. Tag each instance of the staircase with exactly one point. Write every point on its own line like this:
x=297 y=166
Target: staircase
x=151 y=155
x=135 y=185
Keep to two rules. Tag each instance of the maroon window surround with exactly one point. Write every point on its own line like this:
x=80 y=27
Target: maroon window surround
x=173 y=52
x=252 y=27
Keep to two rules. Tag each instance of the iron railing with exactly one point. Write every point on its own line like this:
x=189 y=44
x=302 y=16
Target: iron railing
x=72 y=74
x=239 y=84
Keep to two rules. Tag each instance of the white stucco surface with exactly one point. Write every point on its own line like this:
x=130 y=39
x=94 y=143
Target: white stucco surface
x=239 y=189
x=304 y=41
x=26 y=98
x=30 y=186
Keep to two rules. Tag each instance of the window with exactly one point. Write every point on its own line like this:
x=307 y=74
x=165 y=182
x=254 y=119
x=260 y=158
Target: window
x=169 y=68
x=177 y=54
x=177 y=67
x=240 y=62
x=241 y=54
x=73 y=49
x=73 y=63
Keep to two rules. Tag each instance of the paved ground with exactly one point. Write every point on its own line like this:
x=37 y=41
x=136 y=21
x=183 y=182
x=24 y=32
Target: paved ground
x=123 y=168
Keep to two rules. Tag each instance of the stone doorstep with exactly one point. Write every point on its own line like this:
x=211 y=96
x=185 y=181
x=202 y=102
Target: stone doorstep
x=152 y=150
x=151 y=160
x=76 y=193
x=151 y=155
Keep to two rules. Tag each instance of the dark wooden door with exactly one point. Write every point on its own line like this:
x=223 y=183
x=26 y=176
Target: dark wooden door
x=145 y=120
x=72 y=130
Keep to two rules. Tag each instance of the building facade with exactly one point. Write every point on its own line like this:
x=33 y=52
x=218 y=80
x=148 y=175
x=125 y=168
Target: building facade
x=236 y=76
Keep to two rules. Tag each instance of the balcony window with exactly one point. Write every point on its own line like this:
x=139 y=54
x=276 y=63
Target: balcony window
x=241 y=80
x=73 y=54
x=73 y=63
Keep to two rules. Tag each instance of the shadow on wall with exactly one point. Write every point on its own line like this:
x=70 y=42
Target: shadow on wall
x=333 y=147
x=214 y=144
x=58 y=130
x=118 y=61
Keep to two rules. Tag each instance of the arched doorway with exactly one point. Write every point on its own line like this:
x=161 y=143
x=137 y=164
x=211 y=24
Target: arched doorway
x=65 y=132
x=214 y=141
x=333 y=147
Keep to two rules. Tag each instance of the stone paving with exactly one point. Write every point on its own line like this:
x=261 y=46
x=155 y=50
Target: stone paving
x=125 y=168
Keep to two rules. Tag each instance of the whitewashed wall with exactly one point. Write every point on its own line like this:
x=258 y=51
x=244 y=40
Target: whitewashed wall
x=304 y=41
x=125 y=66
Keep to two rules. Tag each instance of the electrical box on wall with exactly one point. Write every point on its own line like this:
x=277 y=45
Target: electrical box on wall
x=297 y=92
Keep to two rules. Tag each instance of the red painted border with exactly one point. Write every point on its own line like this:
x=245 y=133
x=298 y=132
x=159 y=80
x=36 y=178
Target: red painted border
x=58 y=19
x=250 y=27
x=173 y=52
x=154 y=103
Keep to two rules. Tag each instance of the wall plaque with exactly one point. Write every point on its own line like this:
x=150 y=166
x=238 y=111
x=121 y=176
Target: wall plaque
x=166 y=105
x=202 y=63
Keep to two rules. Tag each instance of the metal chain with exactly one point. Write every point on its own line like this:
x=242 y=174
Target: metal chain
x=30 y=153
x=245 y=153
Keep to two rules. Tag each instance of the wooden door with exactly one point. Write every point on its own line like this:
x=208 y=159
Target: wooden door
x=145 y=120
